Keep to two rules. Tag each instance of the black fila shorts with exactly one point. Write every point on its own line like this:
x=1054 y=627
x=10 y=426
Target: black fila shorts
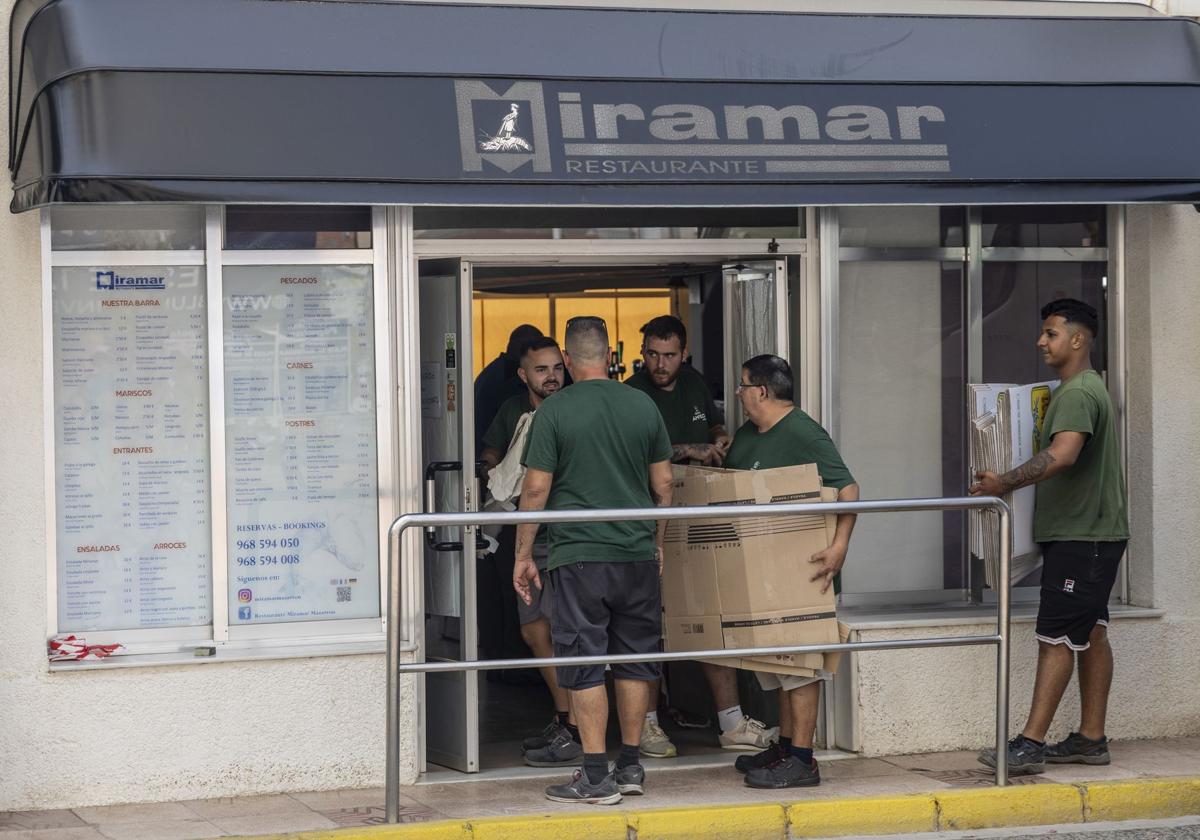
x=602 y=608
x=1077 y=581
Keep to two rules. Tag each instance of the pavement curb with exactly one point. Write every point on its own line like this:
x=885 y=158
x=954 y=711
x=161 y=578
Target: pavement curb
x=942 y=810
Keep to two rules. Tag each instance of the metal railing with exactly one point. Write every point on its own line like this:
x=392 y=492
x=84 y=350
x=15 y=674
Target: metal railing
x=470 y=519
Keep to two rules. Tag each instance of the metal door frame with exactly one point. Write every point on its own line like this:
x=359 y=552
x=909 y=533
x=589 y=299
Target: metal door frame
x=406 y=255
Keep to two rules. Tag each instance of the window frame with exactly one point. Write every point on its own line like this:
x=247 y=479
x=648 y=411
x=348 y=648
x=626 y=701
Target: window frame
x=288 y=638
x=973 y=256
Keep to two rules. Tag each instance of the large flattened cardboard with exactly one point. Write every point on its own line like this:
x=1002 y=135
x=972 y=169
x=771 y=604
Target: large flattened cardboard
x=745 y=582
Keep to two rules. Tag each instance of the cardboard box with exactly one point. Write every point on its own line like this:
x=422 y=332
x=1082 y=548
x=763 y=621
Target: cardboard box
x=744 y=582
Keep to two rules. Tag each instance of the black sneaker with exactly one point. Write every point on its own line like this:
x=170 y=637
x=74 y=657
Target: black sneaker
x=1076 y=749
x=773 y=753
x=579 y=789
x=788 y=772
x=631 y=779
x=562 y=751
x=543 y=738
x=1025 y=757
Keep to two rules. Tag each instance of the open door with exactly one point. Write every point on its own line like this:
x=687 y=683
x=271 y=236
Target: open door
x=755 y=295
x=448 y=455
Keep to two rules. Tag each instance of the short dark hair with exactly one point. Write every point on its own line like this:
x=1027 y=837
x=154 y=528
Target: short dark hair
x=663 y=327
x=1074 y=312
x=773 y=372
x=519 y=337
x=543 y=343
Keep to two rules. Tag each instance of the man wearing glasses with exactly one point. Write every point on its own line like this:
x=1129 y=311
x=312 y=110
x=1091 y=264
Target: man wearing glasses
x=778 y=434
x=599 y=444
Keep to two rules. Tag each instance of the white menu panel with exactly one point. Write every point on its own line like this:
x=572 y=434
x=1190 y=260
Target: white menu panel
x=131 y=447
x=300 y=442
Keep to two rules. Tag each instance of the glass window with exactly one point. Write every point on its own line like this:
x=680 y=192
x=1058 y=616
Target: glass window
x=908 y=227
x=899 y=391
x=250 y=228
x=1069 y=226
x=301 y=439
x=1013 y=296
x=131 y=447
x=148 y=227
x=606 y=223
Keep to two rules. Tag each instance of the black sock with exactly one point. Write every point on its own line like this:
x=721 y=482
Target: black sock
x=595 y=766
x=563 y=717
x=628 y=756
x=785 y=743
x=804 y=754
x=1039 y=743
x=574 y=730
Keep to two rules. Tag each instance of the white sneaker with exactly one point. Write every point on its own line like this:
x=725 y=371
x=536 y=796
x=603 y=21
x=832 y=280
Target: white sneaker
x=655 y=742
x=750 y=735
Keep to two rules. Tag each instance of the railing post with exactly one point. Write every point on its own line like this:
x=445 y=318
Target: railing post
x=394 y=587
x=1003 y=627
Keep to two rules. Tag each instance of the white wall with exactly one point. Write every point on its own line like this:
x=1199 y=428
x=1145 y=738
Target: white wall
x=154 y=733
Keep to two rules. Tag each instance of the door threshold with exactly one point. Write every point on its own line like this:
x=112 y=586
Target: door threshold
x=444 y=775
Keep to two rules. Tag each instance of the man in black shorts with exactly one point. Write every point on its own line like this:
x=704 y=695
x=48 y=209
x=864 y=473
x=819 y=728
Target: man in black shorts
x=599 y=444
x=1081 y=523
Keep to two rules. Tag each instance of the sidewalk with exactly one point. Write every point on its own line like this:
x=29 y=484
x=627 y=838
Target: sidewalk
x=682 y=788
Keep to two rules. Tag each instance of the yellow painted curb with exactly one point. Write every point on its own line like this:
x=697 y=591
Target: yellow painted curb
x=1010 y=806
x=721 y=822
x=877 y=815
x=609 y=826
x=1142 y=799
x=1020 y=805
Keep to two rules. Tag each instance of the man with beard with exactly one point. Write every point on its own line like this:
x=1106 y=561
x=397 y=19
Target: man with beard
x=498 y=381
x=543 y=374
x=698 y=436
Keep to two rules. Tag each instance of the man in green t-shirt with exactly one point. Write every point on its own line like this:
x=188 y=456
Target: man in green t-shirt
x=778 y=434
x=543 y=373
x=697 y=432
x=599 y=444
x=1081 y=523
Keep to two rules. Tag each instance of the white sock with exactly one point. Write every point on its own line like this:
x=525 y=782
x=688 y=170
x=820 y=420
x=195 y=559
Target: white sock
x=652 y=716
x=730 y=718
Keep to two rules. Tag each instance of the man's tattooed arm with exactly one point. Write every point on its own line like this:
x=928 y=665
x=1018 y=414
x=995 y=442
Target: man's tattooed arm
x=1031 y=472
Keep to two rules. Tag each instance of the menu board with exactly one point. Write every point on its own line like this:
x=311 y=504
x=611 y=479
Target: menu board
x=131 y=447
x=300 y=442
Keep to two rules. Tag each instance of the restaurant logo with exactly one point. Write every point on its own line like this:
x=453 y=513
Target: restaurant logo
x=521 y=136
x=664 y=139
x=110 y=280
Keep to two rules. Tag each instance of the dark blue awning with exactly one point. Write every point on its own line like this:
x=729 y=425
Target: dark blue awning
x=366 y=102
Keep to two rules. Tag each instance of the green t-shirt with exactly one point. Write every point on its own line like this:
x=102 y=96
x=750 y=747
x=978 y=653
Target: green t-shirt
x=795 y=439
x=1086 y=501
x=687 y=409
x=599 y=439
x=499 y=435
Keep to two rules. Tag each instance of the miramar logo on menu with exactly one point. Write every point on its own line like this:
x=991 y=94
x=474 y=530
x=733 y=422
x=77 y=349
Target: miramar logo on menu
x=111 y=281
x=510 y=128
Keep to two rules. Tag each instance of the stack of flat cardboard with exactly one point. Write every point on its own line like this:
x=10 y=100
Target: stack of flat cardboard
x=745 y=582
x=1005 y=428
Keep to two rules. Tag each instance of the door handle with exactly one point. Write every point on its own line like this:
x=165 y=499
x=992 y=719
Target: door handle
x=431 y=472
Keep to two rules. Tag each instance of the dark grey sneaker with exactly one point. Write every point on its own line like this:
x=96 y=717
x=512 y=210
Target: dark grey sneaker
x=1076 y=749
x=579 y=789
x=1025 y=757
x=773 y=753
x=788 y=772
x=543 y=738
x=561 y=752
x=631 y=779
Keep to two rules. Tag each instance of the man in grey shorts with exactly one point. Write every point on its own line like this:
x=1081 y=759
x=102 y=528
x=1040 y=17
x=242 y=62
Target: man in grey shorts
x=543 y=373
x=599 y=444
